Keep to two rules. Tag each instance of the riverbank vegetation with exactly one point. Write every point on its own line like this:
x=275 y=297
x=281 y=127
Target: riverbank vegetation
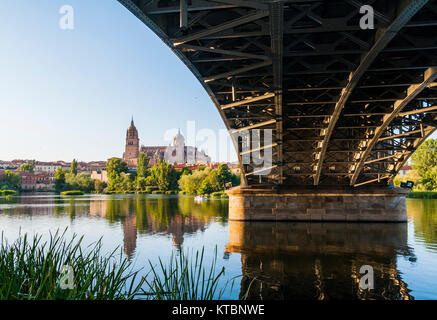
x=163 y=178
x=423 y=195
x=72 y=193
x=28 y=167
x=5 y=193
x=31 y=269
x=10 y=181
x=208 y=181
x=185 y=278
x=424 y=171
x=160 y=178
x=68 y=180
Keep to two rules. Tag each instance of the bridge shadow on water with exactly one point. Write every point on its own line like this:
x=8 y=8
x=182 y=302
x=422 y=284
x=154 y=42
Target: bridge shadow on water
x=319 y=260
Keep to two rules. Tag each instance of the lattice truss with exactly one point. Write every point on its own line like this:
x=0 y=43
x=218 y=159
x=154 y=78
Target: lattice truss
x=346 y=106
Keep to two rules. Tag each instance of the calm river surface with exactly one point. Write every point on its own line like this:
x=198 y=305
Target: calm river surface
x=277 y=260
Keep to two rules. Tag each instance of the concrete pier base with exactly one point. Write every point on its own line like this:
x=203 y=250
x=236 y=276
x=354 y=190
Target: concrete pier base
x=357 y=205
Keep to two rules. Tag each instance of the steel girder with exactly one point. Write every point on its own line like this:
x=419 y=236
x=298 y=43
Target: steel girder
x=346 y=106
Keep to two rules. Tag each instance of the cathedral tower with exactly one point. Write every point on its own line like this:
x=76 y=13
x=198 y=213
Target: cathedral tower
x=132 y=150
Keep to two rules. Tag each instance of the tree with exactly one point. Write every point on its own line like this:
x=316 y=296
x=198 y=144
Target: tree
x=10 y=180
x=185 y=171
x=191 y=183
x=74 y=167
x=424 y=163
x=164 y=176
x=141 y=184
x=66 y=180
x=115 y=167
x=99 y=186
x=29 y=167
x=81 y=182
x=429 y=179
x=205 y=188
x=60 y=179
x=410 y=176
x=143 y=165
x=128 y=183
x=210 y=184
x=425 y=157
x=224 y=175
x=236 y=180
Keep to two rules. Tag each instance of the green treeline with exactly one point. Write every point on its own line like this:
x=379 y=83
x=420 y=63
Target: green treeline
x=164 y=178
x=67 y=180
x=158 y=179
x=208 y=181
x=424 y=165
x=10 y=181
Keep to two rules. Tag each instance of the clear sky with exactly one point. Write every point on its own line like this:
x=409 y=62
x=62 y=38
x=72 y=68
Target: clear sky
x=68 y=94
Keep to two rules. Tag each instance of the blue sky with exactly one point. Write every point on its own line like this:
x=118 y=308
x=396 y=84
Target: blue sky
x=68 y=94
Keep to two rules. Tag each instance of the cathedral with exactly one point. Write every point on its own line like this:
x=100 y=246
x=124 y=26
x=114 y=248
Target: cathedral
x=176 y=153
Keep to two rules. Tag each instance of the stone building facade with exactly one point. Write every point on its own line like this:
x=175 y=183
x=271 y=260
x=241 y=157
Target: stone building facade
x=176 y=153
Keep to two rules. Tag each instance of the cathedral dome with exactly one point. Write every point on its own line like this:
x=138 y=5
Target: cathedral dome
x=179 y=139
x=179 y=135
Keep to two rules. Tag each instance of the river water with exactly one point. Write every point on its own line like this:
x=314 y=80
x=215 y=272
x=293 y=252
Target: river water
x=265 y=260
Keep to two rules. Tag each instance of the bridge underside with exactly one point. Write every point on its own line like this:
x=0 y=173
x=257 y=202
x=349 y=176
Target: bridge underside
x=346 y=106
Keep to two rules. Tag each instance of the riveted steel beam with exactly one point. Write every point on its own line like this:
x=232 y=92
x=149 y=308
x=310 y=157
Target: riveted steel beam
x=259 y=149
x=407 y=12
x=276 y=35
x=381 y=159
x=400 y=135
x=257 y=172
x=187 y=47
x=253 y=126
x=423 y=110
x=413 y=91
x=247 y=101
x=224 y=26
x=371 y=181
x=183 y=15
x=238 y=71
x=416 y=144
x=245 y=3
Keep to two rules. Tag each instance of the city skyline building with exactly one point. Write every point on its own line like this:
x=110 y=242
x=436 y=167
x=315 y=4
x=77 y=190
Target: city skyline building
x=175 y=153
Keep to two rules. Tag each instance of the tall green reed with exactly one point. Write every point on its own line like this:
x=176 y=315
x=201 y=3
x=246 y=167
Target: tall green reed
x=32 y=269
x=186 y=277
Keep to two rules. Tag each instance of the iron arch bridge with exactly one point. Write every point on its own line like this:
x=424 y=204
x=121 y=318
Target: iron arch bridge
x=346 y=106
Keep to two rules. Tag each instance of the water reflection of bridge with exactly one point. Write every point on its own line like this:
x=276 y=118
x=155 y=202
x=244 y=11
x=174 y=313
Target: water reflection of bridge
x=319 y=261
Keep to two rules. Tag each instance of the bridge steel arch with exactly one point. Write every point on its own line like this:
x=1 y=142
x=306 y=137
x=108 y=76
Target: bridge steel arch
x=347 y=106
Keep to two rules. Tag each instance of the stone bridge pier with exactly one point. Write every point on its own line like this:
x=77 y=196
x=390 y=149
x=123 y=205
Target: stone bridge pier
x=377 y=204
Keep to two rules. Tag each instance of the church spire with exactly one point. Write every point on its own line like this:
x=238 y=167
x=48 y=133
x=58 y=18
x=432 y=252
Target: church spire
x=132 y=143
